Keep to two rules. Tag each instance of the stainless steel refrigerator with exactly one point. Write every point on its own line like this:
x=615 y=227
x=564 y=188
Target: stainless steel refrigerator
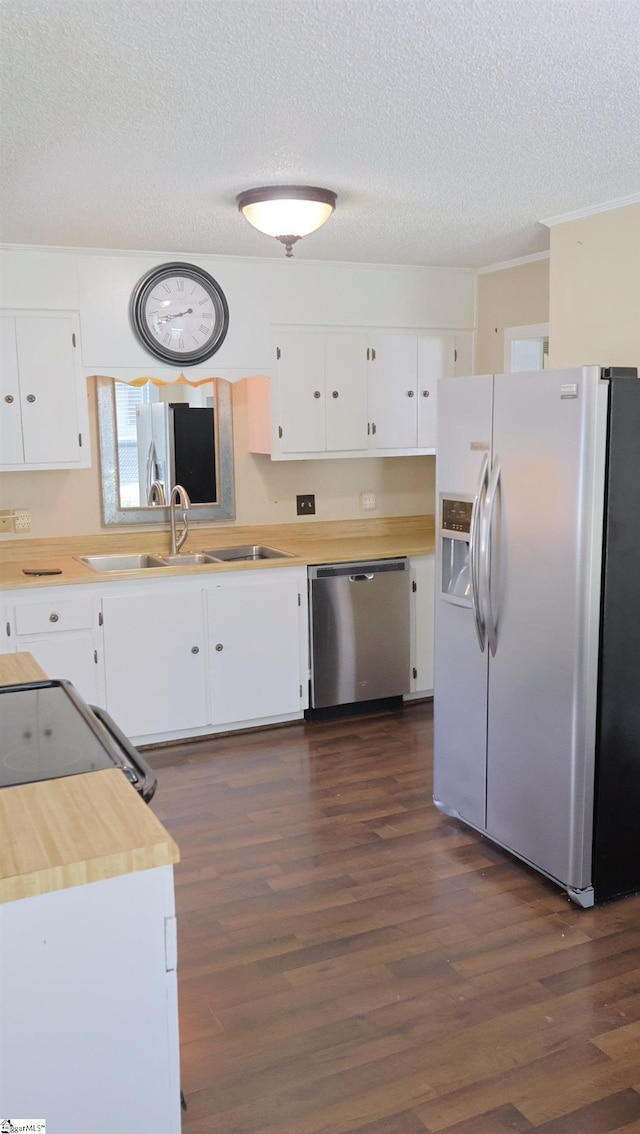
x=537 y=620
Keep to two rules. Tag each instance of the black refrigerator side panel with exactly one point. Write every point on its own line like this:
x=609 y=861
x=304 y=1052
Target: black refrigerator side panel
x=194 y=453
x=617 y=801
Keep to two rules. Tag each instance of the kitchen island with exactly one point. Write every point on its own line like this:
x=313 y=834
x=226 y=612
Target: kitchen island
x=88 y=995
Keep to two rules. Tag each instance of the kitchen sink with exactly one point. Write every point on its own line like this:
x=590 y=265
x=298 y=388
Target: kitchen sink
x=186 y=559
x=126 y=562
x=248 y=552
x=120 y=562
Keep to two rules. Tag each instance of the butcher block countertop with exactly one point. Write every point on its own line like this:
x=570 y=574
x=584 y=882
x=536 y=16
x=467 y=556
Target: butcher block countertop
x=60 y=833
x=338 y=541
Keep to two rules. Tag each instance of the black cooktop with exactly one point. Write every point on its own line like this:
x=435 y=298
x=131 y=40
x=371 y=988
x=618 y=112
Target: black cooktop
x=47 y=730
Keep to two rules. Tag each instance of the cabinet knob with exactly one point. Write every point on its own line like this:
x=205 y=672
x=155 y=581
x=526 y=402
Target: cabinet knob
x=316 y=393
x=195 y=649
x=53 y=617
x=409 y=393
x=8 y=398
x=31 y=397
x=219 y=646
x=425 y=393
x=335 y=394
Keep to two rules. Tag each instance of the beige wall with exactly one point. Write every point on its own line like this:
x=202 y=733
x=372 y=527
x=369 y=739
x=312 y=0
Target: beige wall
x=509 y=297
x=594 y=312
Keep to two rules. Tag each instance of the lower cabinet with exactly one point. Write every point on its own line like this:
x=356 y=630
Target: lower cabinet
x=257 y=646
x=89 y=1006
x=197 y=653
x=59 y=627
x=423 y=598
x=155 y=657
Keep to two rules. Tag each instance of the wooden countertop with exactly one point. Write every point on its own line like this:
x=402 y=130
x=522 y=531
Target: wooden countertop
x=77 y=829
x=308 y=543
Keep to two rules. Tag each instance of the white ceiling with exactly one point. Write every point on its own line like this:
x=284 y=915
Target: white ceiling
x=448 y=128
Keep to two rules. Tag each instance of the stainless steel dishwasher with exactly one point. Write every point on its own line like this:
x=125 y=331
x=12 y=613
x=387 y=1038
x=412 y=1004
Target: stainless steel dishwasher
x=359 y=631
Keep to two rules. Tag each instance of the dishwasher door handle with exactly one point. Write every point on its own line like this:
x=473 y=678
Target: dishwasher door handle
x=361 y=578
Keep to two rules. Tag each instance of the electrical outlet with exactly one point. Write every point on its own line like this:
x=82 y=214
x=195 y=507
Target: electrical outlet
x=306 y=505
x=6 y=522
x=367 y=500
x=22 y=520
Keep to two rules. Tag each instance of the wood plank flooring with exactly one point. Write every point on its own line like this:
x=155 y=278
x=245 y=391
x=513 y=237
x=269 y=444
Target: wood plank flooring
x=351 y=960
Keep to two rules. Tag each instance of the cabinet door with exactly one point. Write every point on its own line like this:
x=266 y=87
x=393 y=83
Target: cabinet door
x=435 y=361
x=48 y=389
x=11 y=446
x=423 y=587
x=301 y=390
x=345 y=386
x=73 y=656
x=393 y=372
x=154 y=661
x=254 y=644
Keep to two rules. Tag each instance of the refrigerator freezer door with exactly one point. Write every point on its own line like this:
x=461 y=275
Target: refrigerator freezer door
x=549 y=435
x=460 y=692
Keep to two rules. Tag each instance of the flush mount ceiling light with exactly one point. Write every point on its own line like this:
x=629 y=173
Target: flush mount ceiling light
x=287 y=212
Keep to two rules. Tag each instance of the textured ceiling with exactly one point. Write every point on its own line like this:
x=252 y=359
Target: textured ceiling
x=448 y=128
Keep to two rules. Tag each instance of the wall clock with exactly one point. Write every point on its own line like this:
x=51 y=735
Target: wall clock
x=179 y=313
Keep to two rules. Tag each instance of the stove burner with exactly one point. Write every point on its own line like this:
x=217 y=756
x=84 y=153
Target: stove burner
x=37 y=753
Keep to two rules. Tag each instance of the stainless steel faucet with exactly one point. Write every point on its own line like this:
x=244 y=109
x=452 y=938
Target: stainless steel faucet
x=178 y=494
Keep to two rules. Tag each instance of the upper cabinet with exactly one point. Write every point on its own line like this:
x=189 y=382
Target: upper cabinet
x=43 y=400
x=404 y=373
x=352 y=393
x=322 y=392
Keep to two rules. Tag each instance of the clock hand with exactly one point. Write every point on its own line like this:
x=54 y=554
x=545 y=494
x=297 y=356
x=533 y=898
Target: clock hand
x=178 y=315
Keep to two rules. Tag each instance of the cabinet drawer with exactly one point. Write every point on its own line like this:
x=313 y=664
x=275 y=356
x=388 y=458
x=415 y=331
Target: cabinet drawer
x=46 y=617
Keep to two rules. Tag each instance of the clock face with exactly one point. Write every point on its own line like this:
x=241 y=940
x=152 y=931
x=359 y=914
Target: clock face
x=179 y=313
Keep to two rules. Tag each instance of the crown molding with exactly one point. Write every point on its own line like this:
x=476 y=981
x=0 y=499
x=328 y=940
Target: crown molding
x=513 y=263
x=605 y=207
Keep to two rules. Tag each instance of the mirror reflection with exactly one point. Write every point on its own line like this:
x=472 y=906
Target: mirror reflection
x=153 y=437
x=164 y=442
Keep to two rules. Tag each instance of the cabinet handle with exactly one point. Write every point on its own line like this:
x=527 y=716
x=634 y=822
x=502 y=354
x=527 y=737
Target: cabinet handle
x=316 y=393
x=335 y=394
x=373 y=426
x=31 y=397
x=195 y=649
x=219 y=647
x=425 y=393
x=409 y=393
x=8 y=398
x=373 y=355
x=53 y=618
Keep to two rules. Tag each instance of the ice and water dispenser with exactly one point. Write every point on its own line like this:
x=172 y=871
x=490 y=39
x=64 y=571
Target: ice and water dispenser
x=455 y=535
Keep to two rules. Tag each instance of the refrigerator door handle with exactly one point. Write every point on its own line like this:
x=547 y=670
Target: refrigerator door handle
x=474 y=551
x=484 y=566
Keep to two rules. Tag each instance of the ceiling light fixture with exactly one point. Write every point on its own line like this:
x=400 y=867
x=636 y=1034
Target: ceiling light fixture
x=287 y=212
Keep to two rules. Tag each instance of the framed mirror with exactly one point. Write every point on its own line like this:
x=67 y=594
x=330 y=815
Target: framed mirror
x=155 y=436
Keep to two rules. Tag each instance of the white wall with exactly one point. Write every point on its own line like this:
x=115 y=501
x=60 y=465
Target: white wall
x=260 y=293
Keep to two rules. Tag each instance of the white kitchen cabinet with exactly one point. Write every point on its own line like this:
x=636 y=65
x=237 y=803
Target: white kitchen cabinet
x=59 y=627
x=404 y=371
x=322 y=393
x=422 y=636
x=352 y=393
x=43 y=400
x=88 y=1001
x=257 y=629
x=155 y=657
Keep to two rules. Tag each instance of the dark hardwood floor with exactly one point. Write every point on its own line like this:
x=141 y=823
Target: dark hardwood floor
x=352 y=960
